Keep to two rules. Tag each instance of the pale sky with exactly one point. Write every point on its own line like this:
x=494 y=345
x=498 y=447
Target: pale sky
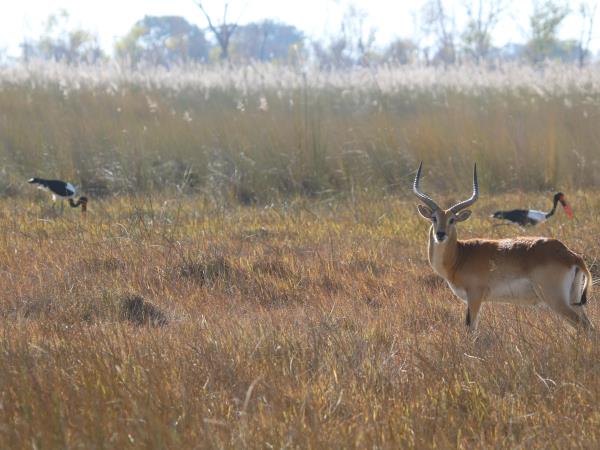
x=110 y=19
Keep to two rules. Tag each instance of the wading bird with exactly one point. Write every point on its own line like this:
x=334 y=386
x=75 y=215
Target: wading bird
x=521 y=271
x=525 y=217
x=62 y=190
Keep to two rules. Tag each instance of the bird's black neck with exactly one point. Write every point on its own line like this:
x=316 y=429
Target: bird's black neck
x=553 y=210
x=75 y=204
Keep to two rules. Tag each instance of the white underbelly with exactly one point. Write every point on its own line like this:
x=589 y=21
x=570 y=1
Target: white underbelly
x=519 y=291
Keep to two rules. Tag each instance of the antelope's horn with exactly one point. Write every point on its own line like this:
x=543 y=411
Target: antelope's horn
x=465 y=204
x=423 y=197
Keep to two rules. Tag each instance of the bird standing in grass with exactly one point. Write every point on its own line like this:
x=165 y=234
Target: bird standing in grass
x=526 y=217
x=63 y=190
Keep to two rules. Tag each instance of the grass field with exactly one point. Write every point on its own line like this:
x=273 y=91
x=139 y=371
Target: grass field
x=305 y=324
x=252 y=271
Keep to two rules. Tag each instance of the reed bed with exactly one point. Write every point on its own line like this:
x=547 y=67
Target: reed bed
x=263 y=132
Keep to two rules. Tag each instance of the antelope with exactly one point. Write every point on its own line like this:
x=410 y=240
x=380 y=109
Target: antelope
x=521 y=271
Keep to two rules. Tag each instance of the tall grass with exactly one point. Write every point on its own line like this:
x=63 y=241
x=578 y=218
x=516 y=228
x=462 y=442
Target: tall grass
x=302 y=325
x=262 y=132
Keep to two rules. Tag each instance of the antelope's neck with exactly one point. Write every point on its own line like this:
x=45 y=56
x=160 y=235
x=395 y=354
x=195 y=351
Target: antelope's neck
x=443 y=255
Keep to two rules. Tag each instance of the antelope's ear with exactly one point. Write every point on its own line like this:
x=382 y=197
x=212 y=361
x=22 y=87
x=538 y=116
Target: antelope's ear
x=463 y=215
x=425 y=211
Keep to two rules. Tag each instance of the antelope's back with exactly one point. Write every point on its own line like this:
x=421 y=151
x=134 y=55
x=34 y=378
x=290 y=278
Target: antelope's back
x=518 y=255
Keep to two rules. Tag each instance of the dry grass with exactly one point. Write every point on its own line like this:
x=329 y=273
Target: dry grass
x=261 y=133
x=306 y=324
x=261 y=281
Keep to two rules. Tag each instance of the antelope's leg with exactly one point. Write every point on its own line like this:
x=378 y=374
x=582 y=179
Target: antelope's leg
x=556 y=293
x=575 y=317
x=474 y=299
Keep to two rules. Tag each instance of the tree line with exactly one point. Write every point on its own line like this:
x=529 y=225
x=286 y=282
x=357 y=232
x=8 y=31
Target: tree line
x=170 y=40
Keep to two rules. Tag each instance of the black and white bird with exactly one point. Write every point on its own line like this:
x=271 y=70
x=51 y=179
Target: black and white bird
x=63 y=190
x=526 y=217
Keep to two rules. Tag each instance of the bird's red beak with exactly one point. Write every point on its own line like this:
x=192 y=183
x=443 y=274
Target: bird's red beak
x=567 y=208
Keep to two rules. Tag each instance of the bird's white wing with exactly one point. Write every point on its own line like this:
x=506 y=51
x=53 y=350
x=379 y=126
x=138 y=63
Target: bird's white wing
x=537 y=216
x=71 y=188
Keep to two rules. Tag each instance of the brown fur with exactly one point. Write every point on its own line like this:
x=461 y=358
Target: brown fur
x=522 y=255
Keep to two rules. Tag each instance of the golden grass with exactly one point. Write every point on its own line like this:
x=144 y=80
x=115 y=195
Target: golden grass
x=305 y=324
x=264 y=133
x=176 y=317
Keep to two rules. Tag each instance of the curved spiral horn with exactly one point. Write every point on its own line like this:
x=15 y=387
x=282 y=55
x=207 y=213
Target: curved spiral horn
x=465 y=204
x=423 y=197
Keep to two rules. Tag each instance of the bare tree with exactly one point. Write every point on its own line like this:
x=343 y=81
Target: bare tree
x=354 y=44
x=545 y=21
x=483 y=16
x=437 y=21
x=587 y=13
x=222 y=32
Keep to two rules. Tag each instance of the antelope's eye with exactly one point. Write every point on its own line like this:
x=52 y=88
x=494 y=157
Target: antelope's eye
x=433 y=219
x=451 y=221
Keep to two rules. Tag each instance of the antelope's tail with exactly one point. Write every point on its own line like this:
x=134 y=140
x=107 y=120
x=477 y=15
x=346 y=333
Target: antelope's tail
x=587 y=290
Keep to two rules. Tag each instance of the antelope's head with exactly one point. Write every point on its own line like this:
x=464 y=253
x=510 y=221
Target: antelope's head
x=443 y=221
